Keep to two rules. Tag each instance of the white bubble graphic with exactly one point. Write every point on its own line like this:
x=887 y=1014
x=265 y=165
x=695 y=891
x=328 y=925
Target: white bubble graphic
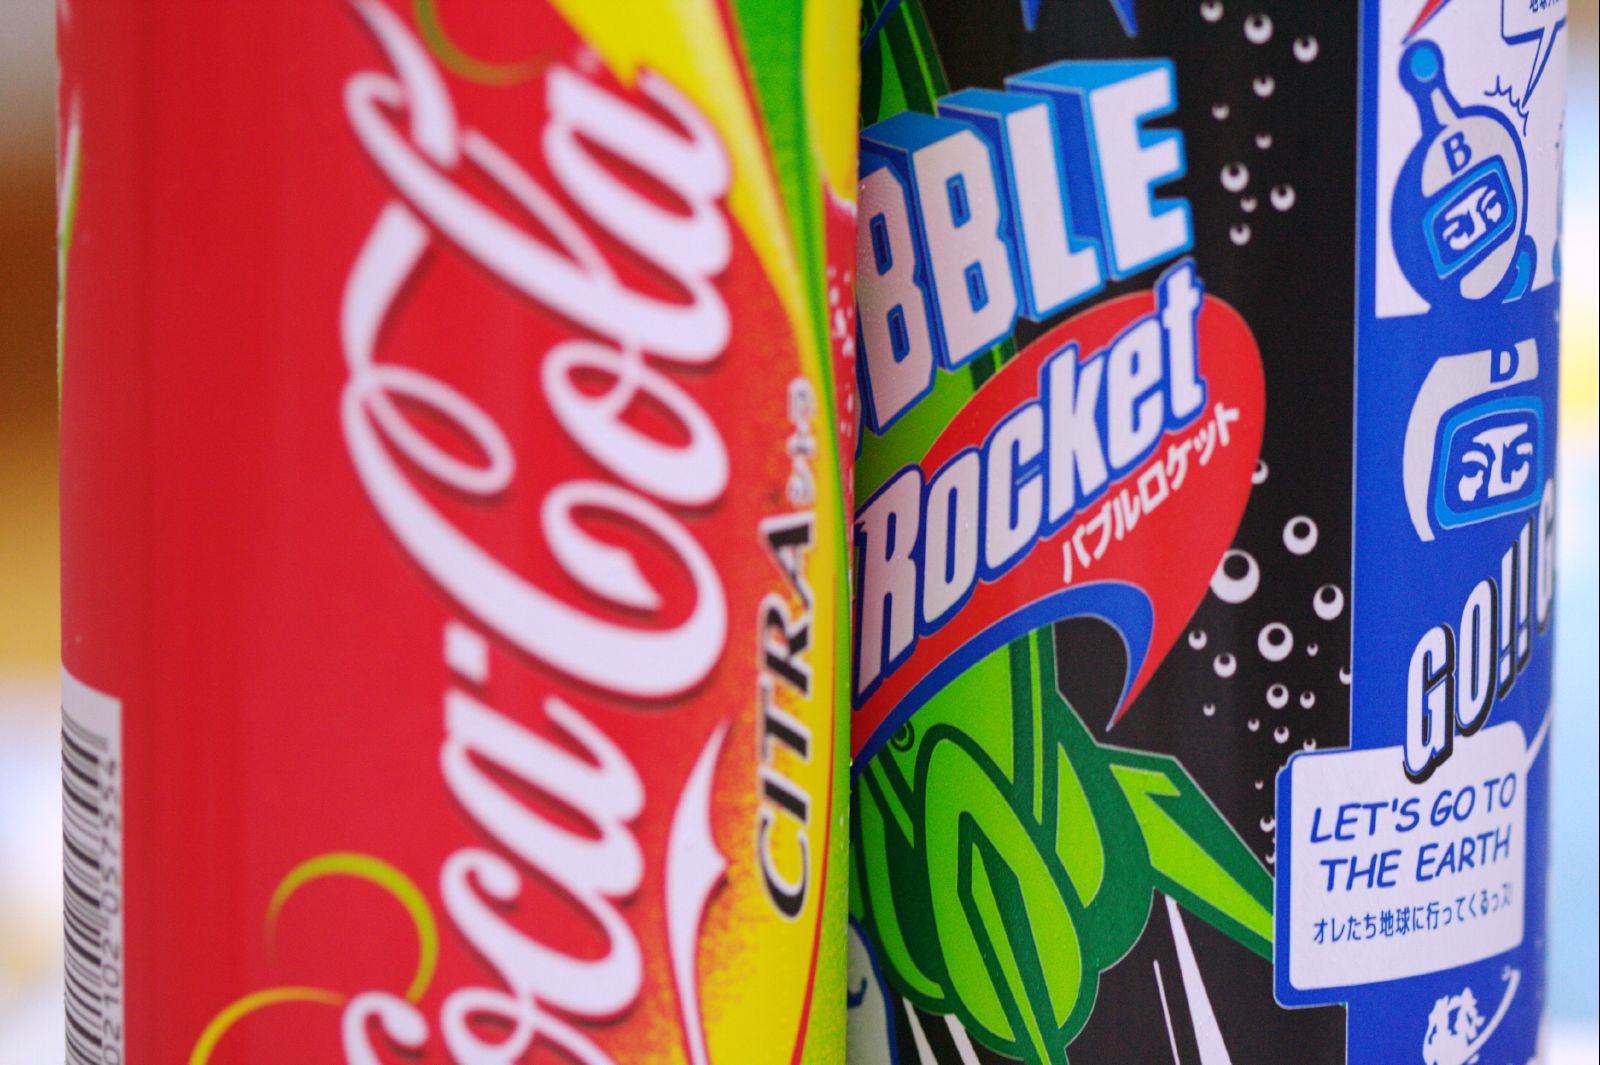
x=1209 y=709
x=1235 y=176
x=1268 y=824
x=1258 y=29
x=1344 y=676
x=1260 y=474
x=1312 y=649
x=1197 y=638
x=1225 y=665
x=1277 y=696
x=1275 y=641
x=1305 y=48
x=1254 y=724
x=1309 y=745
x=1247 y=204
x=1300 y=535
x=1308 y=699
x=1328 y=602
x=1211 y=10
x=1237 y=577
x=1239 y=234
x=1264 y=85
x=1219 y=112
x=1263 y=141
x=1282 y=197
x=1280 y=734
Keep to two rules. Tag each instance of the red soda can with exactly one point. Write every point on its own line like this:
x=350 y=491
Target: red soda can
x=453 y=599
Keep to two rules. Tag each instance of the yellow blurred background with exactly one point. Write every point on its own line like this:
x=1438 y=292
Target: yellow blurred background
x=29 y=795
x=27 y=340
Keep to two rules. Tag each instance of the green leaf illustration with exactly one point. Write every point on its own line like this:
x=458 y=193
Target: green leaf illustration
x=1004 y=859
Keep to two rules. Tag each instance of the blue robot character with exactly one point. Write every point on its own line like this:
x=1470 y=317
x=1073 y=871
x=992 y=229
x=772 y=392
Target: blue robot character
x=1461 y=202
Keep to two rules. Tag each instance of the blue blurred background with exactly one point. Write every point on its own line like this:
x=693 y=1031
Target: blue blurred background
x=30 y=824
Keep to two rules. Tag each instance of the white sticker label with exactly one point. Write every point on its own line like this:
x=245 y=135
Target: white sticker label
x=1390 y=879
x=91 y=792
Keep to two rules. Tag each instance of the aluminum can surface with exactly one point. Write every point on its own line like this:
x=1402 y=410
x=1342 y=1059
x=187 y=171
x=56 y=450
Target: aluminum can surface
x=1203 y=543
x=454 y=530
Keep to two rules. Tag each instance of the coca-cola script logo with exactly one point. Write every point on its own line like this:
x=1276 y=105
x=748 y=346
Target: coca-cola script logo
x=406 y=121
x=632 y=336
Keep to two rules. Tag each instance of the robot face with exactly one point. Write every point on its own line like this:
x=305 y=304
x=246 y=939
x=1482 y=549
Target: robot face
x=1488 y=462
x=1468 y=219
x=1458 y=211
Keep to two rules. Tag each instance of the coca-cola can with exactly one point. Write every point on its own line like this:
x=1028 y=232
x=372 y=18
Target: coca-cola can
x=454 y=404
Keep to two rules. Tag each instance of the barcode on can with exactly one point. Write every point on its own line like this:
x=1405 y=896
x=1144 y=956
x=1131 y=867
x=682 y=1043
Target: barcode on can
x=91 y=798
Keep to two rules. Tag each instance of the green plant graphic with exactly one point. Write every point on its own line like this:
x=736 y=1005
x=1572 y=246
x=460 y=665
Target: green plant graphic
x=1002 y=858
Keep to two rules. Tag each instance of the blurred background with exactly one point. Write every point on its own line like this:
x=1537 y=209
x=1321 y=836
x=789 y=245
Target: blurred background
x=30 y=822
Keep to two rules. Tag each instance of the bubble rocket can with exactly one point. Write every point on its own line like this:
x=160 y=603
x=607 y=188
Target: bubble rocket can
x=453 y=520
x=1203 y=568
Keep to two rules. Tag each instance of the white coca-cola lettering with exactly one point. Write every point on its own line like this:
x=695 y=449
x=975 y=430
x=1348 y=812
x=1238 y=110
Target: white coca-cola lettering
x=595 y=872
x=692 y=248
x=692 y=474
x=396 y=1018
x=533 y=975
x=632 y=341
x=662 y=661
